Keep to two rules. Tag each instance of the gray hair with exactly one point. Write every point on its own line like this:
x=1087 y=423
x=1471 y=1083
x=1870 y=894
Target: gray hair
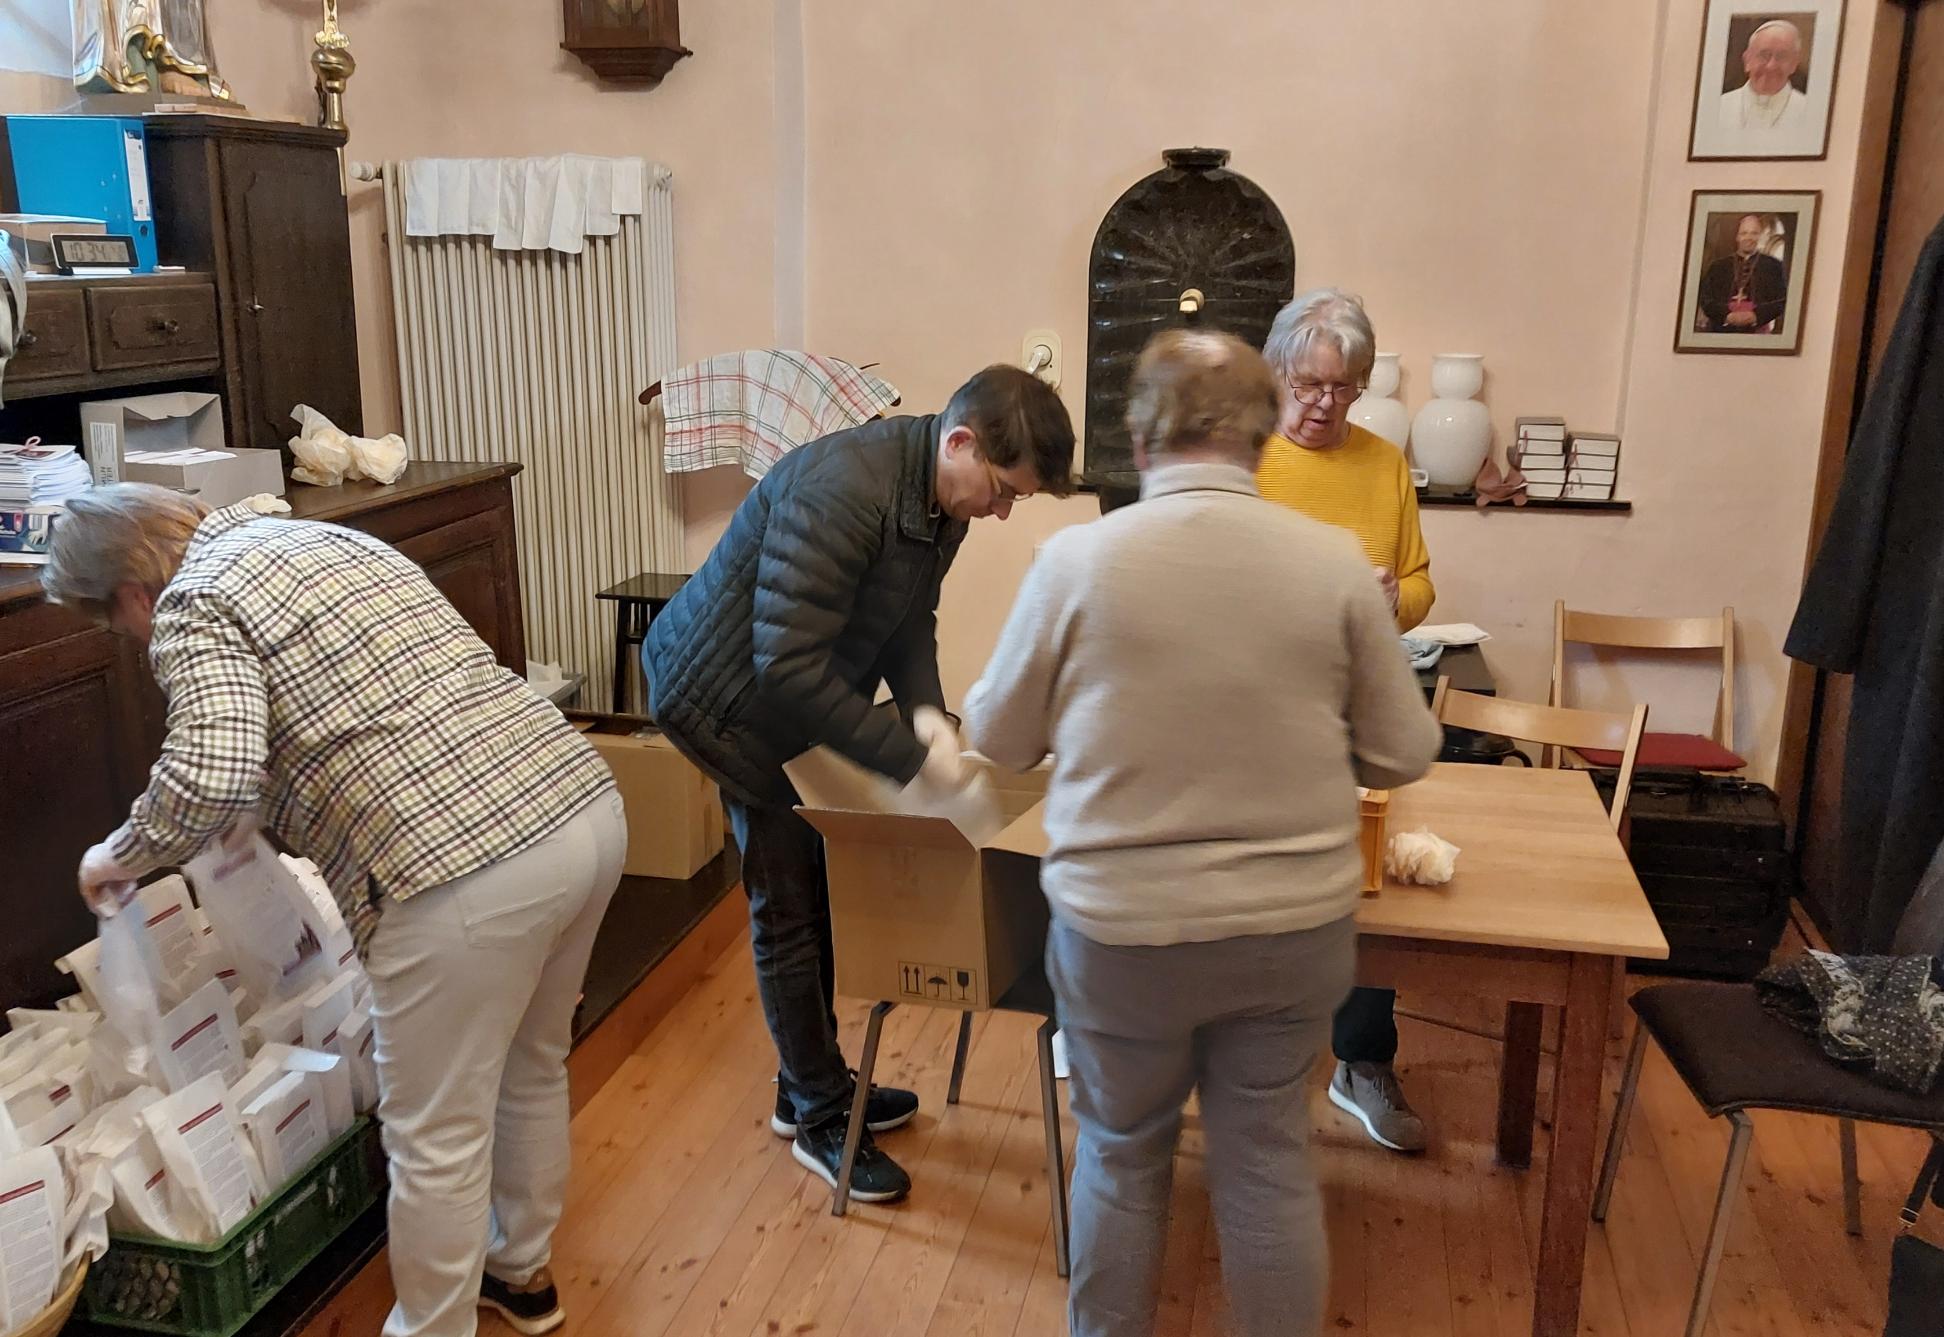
x=120 y=534
x=1323 y=314
x=1196 y=390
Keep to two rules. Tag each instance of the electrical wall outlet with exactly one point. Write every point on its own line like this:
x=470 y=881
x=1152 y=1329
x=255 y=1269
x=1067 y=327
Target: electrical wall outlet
x=1039 y=353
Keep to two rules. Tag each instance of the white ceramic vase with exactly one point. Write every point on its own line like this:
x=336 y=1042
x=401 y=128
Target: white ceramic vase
x=1378 y=411
x=1452 y=433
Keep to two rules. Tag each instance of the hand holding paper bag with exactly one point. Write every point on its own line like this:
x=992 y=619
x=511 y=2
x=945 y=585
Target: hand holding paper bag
x=945 y=766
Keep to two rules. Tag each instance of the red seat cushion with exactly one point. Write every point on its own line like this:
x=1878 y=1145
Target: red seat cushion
x=1659 y=751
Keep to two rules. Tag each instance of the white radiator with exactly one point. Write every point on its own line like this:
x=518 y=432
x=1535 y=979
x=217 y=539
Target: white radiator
x=536 y=357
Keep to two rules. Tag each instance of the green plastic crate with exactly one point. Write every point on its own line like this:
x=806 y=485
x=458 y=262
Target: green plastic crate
x=211 y=1290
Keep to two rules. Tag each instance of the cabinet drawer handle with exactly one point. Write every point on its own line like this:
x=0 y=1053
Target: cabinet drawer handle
x=164 y=325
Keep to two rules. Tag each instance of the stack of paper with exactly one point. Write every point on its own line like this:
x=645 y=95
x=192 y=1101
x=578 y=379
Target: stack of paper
x=41 y=475
x=1595 y=466
x=1539 y=443
x=186 y=455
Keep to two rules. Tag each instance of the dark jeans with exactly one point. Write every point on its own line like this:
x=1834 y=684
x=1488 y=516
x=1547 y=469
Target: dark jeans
x=789 y=935
x=1365 y=1031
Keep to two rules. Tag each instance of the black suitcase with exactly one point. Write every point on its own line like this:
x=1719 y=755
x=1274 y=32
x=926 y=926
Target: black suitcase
x=1710 y=852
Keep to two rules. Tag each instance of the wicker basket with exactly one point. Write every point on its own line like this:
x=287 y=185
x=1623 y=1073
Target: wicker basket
x=51 y=1319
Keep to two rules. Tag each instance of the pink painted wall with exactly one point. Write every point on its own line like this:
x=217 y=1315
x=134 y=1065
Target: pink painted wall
x=919 y=185
x=488 y=78
x=1481 y=181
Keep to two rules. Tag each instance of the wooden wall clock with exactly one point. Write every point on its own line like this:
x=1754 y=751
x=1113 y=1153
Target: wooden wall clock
x=627 y=41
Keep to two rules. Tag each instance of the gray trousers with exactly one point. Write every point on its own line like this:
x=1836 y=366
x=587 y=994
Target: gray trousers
x=1241 y=1021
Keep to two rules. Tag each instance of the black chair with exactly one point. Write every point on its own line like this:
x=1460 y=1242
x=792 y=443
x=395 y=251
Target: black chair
x=1735 y=1057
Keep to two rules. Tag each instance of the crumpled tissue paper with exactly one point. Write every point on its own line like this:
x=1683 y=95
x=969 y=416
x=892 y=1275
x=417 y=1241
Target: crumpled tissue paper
x=1420 y=857
x=328 y=455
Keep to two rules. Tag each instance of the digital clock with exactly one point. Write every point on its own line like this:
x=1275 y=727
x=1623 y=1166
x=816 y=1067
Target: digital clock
x=83 y=251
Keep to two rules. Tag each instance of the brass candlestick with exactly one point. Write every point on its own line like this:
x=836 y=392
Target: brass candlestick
x=334 y=65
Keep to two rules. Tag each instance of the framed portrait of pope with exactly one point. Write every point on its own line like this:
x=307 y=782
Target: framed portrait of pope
x=1766 y=78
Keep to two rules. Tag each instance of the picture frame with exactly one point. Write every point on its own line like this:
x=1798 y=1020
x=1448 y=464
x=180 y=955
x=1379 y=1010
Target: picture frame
x=1765 y=80
x=1745 y=280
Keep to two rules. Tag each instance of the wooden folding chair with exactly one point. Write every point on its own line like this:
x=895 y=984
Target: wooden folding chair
x=1557 y=729
x=1552 y=727
x=1704 y=752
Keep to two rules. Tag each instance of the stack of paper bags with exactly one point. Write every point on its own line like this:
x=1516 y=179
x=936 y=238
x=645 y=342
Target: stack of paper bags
x=213 y=1051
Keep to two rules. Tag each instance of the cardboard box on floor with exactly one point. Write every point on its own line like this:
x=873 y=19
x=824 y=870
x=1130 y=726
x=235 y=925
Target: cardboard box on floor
x=920 y=911
x=674 y=811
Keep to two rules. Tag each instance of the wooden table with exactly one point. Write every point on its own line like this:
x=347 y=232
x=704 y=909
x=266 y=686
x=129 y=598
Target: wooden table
x=1543 y=903
x=637 y=599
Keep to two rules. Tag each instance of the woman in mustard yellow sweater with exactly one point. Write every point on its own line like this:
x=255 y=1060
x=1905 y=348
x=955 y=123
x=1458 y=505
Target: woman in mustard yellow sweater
x=1320 y=464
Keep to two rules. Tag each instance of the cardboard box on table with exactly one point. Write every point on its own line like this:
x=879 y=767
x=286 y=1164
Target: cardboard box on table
x=922 y=912
x=185 y=428
x=674 y=811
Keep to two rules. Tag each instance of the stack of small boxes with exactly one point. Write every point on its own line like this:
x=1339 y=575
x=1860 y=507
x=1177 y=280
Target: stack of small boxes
x=1562 y=465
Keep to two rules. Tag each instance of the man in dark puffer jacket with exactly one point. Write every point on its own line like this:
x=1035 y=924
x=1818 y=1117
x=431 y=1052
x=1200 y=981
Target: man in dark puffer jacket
x=824 y=587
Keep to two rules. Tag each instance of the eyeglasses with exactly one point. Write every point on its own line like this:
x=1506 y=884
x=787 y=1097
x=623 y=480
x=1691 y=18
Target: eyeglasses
x=1002 y=491
x=1312 y=393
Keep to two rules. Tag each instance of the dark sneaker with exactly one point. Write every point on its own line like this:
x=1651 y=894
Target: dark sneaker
x=875 y=1177
x=884 y=1109
x=533 y=1308
x=1370 y=1091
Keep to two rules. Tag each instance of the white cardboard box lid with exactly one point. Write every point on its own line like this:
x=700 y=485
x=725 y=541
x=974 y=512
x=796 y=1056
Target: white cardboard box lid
x=160 y=408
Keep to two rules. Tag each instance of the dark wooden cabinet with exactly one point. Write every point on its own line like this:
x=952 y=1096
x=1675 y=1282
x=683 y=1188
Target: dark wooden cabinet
x=81 y=720
x=456 y=521
x=54 y=342
x=473 y=563
x=134 y=325
x=93 y=337
x=79 y=717
x=260 y=205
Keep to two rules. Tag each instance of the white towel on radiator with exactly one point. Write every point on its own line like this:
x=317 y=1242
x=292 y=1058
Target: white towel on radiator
x=525 y=204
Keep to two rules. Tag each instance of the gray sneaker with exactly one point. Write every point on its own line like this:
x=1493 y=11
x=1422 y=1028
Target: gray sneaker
x=1370 y=1091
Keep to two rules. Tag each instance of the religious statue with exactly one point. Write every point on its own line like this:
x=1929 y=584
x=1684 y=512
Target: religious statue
x=144 y=46
x=334 y=65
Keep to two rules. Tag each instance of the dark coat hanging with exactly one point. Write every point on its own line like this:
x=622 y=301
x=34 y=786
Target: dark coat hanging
x=1873 y=606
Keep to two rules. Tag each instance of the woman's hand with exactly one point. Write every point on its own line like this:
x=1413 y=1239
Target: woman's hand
x=1387 y=582
x=105 y=884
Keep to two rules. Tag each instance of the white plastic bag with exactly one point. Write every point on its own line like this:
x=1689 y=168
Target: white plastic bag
x=328 y=455
x=129 y=966
x=1421 y=857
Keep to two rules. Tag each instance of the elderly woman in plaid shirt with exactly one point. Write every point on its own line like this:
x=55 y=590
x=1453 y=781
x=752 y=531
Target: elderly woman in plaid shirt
x=316 y=679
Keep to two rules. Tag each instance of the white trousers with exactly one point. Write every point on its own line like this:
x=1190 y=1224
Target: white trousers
x=473 y=988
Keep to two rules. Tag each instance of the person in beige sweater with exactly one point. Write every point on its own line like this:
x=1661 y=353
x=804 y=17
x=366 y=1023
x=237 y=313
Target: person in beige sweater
x=1214 y=676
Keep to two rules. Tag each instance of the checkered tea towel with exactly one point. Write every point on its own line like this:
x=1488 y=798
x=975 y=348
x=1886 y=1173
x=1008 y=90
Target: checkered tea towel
x=748 y=408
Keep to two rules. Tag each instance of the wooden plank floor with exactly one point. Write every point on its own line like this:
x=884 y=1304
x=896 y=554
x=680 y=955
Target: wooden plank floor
x=687 y=1217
